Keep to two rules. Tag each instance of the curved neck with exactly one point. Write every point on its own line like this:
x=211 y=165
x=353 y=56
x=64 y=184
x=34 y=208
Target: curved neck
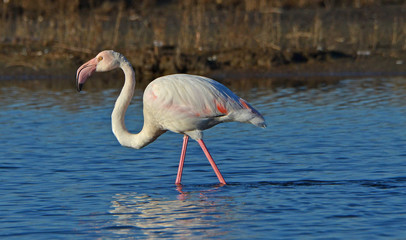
x=117 y=117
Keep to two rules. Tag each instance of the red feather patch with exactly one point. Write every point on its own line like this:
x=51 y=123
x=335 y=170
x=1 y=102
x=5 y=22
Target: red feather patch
x=221 y=108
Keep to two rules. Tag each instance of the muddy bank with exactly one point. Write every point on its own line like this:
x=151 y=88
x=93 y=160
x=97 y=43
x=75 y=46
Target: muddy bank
x=225 y=66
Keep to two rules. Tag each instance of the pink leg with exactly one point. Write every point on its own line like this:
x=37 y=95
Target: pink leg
x=182 y=159
x=213 y=164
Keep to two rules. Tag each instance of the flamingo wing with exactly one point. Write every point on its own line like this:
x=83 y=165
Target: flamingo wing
x=183 y=102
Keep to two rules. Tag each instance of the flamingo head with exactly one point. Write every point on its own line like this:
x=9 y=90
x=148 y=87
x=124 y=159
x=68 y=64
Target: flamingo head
x=104 y=61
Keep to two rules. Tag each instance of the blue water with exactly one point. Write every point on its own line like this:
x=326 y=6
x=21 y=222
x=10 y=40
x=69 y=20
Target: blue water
x=330 y=165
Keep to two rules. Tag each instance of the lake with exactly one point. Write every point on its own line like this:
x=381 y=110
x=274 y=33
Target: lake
x=330 y=165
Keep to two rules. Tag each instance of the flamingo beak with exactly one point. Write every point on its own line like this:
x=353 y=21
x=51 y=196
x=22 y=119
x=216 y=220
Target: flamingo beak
x=84 y=72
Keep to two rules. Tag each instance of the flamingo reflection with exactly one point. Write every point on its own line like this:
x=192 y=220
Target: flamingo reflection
x=143 y=215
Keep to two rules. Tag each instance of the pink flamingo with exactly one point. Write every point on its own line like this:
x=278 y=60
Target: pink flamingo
x=182 y=103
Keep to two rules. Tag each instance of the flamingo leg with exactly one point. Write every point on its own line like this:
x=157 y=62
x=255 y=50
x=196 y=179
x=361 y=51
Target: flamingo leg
x=182 y=159
x=212 y=163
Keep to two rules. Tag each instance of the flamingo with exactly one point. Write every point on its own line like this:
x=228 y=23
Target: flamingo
x=181 y=103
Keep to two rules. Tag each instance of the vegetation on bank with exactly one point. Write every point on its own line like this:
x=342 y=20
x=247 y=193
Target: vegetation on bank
x=161 y=37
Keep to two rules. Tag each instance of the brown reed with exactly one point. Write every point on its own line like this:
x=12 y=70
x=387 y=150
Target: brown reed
x=180 y=35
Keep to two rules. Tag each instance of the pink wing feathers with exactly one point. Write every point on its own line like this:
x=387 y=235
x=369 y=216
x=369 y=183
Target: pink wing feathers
x=183 y=102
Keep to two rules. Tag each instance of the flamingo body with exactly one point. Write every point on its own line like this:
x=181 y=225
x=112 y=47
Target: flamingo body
x=181 y=103
x=189 y=104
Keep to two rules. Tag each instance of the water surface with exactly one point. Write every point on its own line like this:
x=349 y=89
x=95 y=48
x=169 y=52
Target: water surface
x=330 y=165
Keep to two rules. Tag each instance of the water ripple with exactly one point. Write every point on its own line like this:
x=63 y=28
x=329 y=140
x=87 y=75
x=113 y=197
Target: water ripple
x=329 y=166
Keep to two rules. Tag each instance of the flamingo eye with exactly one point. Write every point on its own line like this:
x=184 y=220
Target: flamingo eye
x=99 y=58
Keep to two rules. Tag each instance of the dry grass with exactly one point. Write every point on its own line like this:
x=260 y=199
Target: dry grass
x=161 y=37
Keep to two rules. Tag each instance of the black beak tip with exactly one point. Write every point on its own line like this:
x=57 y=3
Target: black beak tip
x=79 y=87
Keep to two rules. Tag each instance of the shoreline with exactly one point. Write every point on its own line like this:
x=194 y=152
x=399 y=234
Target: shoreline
x=309 y=75
x=361 y=66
